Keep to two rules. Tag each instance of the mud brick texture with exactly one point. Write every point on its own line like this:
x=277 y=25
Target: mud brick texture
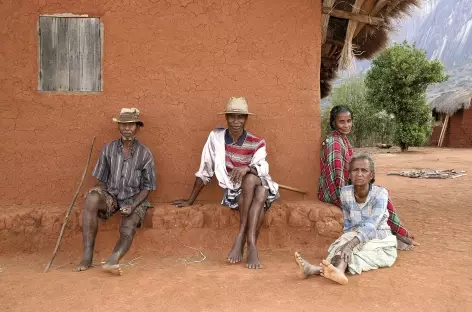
x=178 y=61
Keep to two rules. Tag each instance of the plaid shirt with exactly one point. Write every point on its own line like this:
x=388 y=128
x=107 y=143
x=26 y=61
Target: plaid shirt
x=368 y=219
x=334 y=169
x=126 y=177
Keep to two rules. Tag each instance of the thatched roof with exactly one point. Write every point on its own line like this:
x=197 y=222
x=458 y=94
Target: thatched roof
x=355 y=28
x=452 y=101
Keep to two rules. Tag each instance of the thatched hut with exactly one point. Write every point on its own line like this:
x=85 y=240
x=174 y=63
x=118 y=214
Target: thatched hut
x=452 y=119
x=355 y=29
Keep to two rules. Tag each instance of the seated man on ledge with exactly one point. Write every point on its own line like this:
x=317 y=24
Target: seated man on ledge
x=238 y=159
x=125 y=173
x=367 y=242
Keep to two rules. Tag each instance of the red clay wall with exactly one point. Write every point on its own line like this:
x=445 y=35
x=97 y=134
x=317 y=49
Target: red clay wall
x=178 y=62
x=459 y=131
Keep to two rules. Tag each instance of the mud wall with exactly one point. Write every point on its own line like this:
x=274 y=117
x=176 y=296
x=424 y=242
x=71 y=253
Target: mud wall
x=459 y=131
x=178 y=62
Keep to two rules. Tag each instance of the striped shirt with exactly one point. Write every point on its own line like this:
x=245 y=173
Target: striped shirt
x=126 y=177
x=368 y=219
x=240 y=153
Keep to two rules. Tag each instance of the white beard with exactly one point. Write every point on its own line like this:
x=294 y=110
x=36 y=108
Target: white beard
x=127 y=139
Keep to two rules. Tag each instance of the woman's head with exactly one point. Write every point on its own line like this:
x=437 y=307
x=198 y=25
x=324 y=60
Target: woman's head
x=361 y=170
x=340 y=119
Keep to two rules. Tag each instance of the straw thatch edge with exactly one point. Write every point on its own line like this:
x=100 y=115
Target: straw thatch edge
x=452 y=101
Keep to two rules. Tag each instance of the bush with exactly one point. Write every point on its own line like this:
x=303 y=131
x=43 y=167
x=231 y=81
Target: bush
x=370 y=126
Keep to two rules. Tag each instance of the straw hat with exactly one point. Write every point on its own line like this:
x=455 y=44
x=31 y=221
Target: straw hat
x=129 y=115
x=236 y=105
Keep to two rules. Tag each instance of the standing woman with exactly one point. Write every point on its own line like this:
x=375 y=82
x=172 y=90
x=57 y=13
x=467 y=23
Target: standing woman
x=334 y=170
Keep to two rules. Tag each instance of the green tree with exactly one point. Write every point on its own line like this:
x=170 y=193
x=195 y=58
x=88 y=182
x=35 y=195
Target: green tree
x=397 y=83
x=369 y=124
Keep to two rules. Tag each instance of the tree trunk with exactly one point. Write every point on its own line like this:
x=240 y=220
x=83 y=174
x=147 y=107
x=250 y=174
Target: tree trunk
x=404 y=147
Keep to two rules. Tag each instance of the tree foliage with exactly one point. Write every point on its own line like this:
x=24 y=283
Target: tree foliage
x=397 y=83
x=370 y=125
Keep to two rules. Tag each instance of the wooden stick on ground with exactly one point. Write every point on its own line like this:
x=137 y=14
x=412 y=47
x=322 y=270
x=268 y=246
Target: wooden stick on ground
x=292 y=189
x=66 y=218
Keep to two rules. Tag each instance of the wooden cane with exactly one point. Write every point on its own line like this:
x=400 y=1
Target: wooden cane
x=69 y=209
x=292 y=189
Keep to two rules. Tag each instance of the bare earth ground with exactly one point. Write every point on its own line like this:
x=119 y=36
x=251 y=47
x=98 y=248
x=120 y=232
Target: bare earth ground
x=434 y=277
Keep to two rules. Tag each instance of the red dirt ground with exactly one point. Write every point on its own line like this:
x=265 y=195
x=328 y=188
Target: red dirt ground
x=434 y=277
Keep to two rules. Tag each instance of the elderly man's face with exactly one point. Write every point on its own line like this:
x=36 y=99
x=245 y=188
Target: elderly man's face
x=128 y=130
x=236 y=122
x=360 y=172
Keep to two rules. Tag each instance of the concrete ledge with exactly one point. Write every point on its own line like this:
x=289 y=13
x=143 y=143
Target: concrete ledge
x=35 y=227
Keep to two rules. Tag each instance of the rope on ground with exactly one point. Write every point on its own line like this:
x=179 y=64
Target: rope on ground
x=185 y=259
x=127 y=264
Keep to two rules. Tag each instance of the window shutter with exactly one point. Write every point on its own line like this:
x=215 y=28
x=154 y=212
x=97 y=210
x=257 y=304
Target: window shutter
x=70 y=54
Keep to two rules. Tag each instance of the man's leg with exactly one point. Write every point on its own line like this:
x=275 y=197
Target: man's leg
x=255 y=218
x=94 y=203
x=236 y=253
x=335 y=271
x=128 y=229
x=248 y=186
x=306 y=269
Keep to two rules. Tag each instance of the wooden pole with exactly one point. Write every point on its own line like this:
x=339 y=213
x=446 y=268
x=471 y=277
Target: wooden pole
x=443 y=131
x=69 y=209
x=292 y=189
x=325 y=20
x=365 y=19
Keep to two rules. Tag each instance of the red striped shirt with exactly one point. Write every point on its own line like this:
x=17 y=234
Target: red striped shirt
x=240 y=153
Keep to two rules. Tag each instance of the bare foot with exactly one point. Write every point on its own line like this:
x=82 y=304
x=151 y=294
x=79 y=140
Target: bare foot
x=112 y=268
x=331 y=272
x=236 y=253
x=84 y=265
x=252 y=258
x=306 y=269
x=404 y=246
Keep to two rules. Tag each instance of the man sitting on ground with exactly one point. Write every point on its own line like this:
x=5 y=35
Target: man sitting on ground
x=126 y=174
x=238 y=159
x=367 y=242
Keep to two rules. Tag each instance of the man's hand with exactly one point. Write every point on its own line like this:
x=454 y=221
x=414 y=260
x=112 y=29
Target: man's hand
x=238 y=174
x=127 y=210
x=182 y=203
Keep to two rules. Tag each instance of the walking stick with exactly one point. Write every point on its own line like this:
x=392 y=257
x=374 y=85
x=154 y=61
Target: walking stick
x=66 y=218
x=294 y=189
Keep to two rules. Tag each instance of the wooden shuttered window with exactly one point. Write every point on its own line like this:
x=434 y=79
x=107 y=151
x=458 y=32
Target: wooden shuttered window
x=70 y=56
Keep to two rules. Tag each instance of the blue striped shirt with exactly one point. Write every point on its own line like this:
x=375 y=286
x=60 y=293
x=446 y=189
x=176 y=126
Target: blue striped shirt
x=368 y=219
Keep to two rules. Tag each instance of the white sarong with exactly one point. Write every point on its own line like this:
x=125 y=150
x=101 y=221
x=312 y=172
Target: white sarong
x=377 y=253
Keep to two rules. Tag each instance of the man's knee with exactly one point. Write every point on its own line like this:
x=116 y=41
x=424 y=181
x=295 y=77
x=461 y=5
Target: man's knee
x=250 y=181
x=260 y=194
x=93 y=201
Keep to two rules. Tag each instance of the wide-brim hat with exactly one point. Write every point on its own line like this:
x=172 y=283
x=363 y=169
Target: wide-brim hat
x=236 y=105
x=129 y=115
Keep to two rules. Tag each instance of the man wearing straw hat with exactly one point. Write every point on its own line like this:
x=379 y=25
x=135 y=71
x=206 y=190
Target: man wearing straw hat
x=238 y=159
x=126 y=174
